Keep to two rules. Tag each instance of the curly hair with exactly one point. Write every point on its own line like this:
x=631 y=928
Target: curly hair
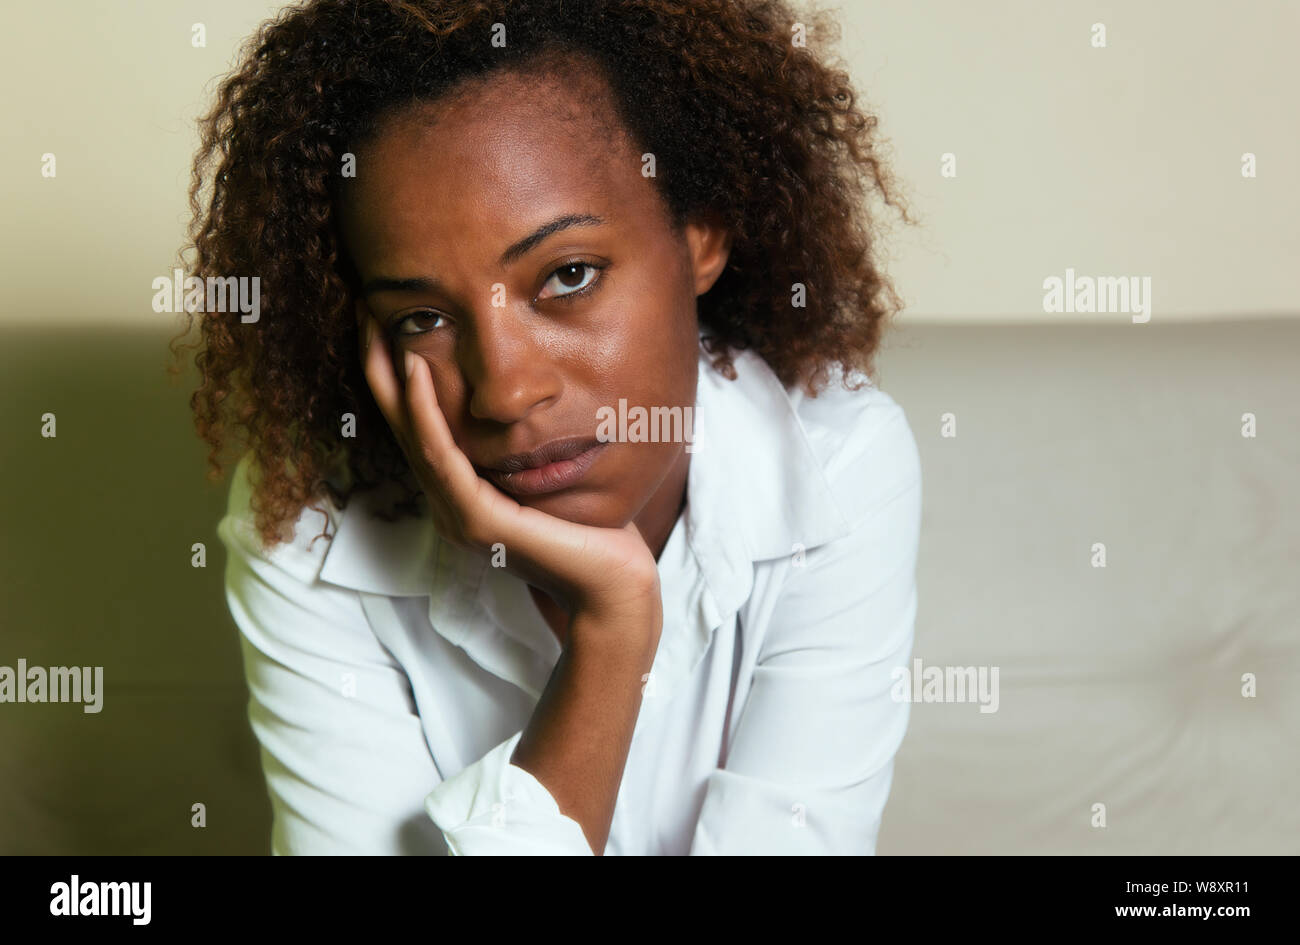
x=744 y=123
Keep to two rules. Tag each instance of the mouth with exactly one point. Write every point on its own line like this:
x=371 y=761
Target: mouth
x=551 y=467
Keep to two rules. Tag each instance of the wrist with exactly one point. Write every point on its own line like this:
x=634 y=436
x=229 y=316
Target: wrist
x=626 y=632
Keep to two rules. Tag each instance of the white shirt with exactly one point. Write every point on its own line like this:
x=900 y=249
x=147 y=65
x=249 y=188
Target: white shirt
x=391 y=673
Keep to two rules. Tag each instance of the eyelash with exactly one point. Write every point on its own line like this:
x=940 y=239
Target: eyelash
x=565 y=297
x=576 y=292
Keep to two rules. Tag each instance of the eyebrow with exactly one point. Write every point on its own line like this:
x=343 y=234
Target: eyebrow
x=512 y=253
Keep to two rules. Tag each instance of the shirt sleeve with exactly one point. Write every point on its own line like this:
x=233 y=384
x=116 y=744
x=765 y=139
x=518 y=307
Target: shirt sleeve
x=346 y=764
x=810 y=764
x=495 y=808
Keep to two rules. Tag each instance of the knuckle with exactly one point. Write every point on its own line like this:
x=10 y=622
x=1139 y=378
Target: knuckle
x=638 y=578
x=429 y=458
x=636 y=571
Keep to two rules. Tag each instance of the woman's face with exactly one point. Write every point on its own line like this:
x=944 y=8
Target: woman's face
x=505 y=238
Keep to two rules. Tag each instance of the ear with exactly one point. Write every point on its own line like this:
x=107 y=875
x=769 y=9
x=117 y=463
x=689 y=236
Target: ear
x=708 y=241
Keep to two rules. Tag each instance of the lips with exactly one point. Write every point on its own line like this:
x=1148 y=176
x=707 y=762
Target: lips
x=551 y=467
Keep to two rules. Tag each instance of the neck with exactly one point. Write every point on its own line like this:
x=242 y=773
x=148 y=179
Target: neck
x=656 y=520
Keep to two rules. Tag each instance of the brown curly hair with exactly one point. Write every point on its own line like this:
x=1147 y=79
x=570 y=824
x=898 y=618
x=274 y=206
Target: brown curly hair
x=743 y=123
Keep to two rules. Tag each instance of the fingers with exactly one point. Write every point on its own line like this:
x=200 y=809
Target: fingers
x=411 y=409
x=453 y=473
x=426 y=452
x=384 y=384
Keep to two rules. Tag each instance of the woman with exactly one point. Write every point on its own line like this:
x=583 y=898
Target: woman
x=513 y=257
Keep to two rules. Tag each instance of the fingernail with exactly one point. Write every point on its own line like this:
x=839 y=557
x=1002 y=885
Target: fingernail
x=410 y=364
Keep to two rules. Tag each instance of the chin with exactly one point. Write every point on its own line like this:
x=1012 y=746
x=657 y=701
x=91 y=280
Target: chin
x=596 y=509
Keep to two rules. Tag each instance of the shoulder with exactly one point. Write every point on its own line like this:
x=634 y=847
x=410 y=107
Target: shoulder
x=302 y=554
x=863 y=442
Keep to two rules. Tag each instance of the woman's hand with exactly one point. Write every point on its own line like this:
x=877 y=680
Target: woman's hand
x=607 y=574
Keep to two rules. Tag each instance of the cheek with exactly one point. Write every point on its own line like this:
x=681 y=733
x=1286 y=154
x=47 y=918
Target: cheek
x=671 y=334
x=668 y=361
x=649 y=349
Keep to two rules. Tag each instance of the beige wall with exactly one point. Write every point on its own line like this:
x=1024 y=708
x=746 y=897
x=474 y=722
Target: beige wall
x=1117 y=161
x=1122 y=161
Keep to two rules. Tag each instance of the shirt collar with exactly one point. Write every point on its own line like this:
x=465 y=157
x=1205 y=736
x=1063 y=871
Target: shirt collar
x=756 y=491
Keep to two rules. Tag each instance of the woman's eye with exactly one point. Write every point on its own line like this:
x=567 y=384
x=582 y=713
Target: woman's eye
x=569 y=279
x=417 y=323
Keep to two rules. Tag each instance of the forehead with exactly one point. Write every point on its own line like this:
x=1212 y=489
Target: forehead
x=476 y=170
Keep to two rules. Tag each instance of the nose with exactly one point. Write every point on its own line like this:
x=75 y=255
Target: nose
x=508 y=371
